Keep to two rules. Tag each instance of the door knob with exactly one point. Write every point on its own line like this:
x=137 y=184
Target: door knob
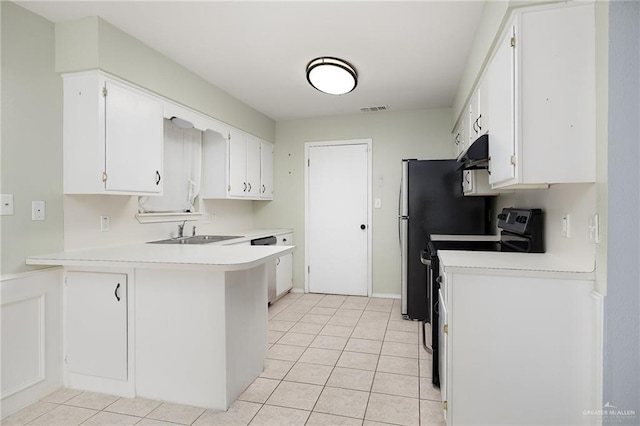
x=363 y=226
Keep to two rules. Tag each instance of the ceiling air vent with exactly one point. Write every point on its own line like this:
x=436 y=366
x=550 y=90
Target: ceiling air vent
x=374 y=108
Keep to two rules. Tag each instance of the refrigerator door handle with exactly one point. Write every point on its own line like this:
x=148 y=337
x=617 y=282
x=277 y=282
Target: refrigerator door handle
x=404 y=229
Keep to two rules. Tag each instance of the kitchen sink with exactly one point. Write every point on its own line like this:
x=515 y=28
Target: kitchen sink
x=196 y=239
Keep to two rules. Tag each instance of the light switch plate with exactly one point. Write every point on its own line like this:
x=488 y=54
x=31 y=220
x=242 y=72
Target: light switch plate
x=38 y=211
x=377 y=203
x=7 y=204
x=566 y=225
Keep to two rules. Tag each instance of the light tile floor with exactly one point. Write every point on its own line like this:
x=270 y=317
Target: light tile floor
x=331 y=360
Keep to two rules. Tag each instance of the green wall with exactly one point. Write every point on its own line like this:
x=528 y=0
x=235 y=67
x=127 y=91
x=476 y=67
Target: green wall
x=423 y=134
x=93 y=43
x=31 y=136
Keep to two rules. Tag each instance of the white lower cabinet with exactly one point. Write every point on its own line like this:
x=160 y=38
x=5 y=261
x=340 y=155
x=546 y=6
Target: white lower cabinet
x=284 y=267
x=96 y=324
x=518 y=348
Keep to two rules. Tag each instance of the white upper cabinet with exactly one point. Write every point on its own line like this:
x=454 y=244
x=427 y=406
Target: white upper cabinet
x=460 y=135
x=237 y=142
x=542 y=103
x=266 y=170
x=233 y=166
x=253 y=167
x=113 y=136
x=476 y=182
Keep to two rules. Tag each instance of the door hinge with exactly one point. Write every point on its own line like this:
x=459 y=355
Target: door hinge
x=66 y=359
x=513 y=160
x=445 y=328
x=308 y=269
x=104 y=92
x=308 y=162
x=229 y=135
x=513 y=41
x=228 y=188
x=444 y=405
x=104 y=176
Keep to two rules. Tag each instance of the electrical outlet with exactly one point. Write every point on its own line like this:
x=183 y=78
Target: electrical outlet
x=38 y=210
x=377 y=203
x=7 y=204
x=566 y=225
x=208 y=217
x=105 y=223
x=594 y=229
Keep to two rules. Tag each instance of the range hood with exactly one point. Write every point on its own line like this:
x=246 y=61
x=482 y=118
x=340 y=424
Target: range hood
x=476 y=156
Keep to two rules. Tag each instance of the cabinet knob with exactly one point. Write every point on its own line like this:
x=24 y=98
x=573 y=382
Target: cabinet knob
x=363 y=226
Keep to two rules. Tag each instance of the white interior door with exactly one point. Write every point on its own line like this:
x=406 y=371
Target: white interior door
x=338 y=218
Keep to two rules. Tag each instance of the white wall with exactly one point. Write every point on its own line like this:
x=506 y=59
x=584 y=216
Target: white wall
x=577 y=200
x=423 y=134
x=82 y=221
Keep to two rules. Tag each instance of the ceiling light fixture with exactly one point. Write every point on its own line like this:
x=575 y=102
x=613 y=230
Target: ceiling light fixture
x=332 y=75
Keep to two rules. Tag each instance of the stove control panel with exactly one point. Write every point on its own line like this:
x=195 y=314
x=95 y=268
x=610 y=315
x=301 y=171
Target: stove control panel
x=520 y=221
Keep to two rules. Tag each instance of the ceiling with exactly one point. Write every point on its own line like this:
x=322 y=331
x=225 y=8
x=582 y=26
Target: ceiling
x=409 y=55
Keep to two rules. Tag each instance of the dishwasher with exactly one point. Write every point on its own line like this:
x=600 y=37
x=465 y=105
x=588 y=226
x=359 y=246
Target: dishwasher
x=271 y=266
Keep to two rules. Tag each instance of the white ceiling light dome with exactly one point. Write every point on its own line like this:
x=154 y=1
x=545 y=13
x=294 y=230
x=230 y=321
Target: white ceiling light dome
x=332 y=75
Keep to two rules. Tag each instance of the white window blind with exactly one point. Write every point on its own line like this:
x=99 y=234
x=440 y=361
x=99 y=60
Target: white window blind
x=182 y=153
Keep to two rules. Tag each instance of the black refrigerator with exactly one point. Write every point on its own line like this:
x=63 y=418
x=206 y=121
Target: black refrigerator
x=431 y=202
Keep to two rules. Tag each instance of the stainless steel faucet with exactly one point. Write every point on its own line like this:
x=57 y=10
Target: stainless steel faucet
x=181 y=229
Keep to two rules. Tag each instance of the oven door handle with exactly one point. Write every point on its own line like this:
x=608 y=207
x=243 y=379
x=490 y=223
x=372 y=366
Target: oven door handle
x=515 y=247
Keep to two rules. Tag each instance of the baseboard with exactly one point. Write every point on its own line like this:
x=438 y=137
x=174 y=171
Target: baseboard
x=296 y=290
x=386 y=295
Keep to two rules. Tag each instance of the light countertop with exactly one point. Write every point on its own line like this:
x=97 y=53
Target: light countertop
x=530 y=264
x=221 y=256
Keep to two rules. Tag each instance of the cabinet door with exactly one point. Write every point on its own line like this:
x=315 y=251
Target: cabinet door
x=253 y=167
x=484 y=93
x=266 y=170
x=473 y=131
x=284 y=273
x=502 y=145
x=133 y=140
x=237 y=163
x=468 y=178
x=96 y=324
x=461 y=144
